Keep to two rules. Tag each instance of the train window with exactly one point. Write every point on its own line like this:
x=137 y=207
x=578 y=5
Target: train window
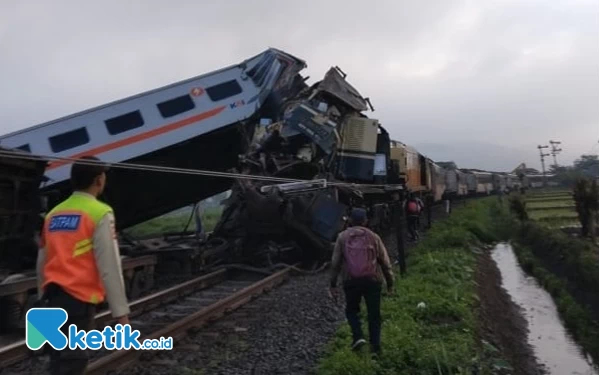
x=25 y=147
x=124 y=122
x=224 y=90
x=176 y=106
x=69 y=140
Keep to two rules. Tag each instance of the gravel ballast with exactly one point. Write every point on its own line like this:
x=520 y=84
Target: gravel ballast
x=283 y=332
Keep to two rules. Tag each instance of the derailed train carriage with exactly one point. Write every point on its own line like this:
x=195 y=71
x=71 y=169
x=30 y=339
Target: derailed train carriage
x=258 y=117
x=320 y=136
x=208 y=122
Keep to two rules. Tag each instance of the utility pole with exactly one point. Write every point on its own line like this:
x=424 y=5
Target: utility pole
x=555 y=151
x=542 y=155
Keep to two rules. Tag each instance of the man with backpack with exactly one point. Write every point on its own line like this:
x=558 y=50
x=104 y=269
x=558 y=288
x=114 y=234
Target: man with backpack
x=413 y=207
x=362 y=259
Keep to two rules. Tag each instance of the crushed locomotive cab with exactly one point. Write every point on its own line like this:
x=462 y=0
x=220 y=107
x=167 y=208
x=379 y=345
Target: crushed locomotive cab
x=341 y=158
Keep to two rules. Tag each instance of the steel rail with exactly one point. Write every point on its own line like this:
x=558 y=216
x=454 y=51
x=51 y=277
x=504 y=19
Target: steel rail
x=28 y=283
x=18 y=351
x=121 y=359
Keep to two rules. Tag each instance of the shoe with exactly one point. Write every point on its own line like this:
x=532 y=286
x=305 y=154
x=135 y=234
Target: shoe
x=358 y=344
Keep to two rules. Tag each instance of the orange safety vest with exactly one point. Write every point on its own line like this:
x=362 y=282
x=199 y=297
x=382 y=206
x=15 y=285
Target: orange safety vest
x=68 y=239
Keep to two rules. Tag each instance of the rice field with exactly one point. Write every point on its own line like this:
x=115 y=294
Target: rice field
x=554 y=208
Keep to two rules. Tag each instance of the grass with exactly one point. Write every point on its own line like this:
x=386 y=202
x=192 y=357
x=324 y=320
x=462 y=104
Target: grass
x=549 y=199
x=552 y=209
x=560 y=222
x=174 y=223
x=550 y=192
x=441 y=337
x=567 y=203
x=551 y=214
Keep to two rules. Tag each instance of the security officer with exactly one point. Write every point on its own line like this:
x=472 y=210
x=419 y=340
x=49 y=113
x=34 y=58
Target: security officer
x=79 y=265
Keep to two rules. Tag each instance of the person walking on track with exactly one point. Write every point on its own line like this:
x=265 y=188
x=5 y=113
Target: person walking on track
x=362 y=259
x=413 y=208
x=79 y=264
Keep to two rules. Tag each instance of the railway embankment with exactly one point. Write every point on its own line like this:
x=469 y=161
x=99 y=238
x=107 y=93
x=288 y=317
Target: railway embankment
x=449 y=313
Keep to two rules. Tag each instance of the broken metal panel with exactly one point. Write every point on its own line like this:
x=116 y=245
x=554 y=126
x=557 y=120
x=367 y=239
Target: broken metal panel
x=263 y=212
x=321 y=137
x=355 y=166
x=314 y=125
x=327 y=216
x=336 y=85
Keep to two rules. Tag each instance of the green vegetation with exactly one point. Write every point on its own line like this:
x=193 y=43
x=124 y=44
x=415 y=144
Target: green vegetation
x=586 y=166
x=566 y=267
x=545 y=204
x=552 y=213
x=439 y=338
x=553 y=208
x=174 y=223
x=586 y=201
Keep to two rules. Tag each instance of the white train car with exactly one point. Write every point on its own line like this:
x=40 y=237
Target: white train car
x=200 y=116
x=499 y=182
x=485 y=182
x=471 y=179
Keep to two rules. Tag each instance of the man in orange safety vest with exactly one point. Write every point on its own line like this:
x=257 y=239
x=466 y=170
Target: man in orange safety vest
x=79 y=264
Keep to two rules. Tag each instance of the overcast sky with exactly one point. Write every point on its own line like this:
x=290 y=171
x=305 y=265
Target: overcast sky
x=444 y=75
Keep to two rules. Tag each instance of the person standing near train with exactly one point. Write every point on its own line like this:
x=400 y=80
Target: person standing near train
x=362 y=260
x=413 y=208
x=79 y=264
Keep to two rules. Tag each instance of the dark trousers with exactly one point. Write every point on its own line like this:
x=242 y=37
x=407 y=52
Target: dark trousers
x=371 y=291
x=412 y=222
x=81 y=314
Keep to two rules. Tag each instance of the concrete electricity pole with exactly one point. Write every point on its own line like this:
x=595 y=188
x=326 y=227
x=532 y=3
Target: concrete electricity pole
x=542 y=155
x=555 y=151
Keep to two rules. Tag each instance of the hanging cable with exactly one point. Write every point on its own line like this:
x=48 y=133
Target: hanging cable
x=196 y=172
x=142 y=167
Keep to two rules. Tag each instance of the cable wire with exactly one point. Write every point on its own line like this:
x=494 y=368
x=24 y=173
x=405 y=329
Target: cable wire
x=197 y=172
x=142 y=167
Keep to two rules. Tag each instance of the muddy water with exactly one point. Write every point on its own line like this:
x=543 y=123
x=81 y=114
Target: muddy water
x=552 y=344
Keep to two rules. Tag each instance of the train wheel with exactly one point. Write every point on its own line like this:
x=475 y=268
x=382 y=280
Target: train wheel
x=142 y=281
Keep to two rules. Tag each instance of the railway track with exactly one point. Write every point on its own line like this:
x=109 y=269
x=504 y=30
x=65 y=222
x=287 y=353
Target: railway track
x=169 y=313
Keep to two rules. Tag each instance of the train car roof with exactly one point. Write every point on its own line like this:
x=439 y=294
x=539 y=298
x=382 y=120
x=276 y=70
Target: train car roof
x=148 y=92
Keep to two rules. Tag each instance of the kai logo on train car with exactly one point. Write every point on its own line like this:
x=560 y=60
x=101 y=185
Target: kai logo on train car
x=197 y=91
x=239 y=103
x=64 y=223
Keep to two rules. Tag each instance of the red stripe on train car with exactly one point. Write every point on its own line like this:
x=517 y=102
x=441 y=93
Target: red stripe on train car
x=142 y=136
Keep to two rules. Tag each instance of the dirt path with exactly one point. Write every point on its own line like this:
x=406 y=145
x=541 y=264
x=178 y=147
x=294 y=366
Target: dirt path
x=500 y=320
